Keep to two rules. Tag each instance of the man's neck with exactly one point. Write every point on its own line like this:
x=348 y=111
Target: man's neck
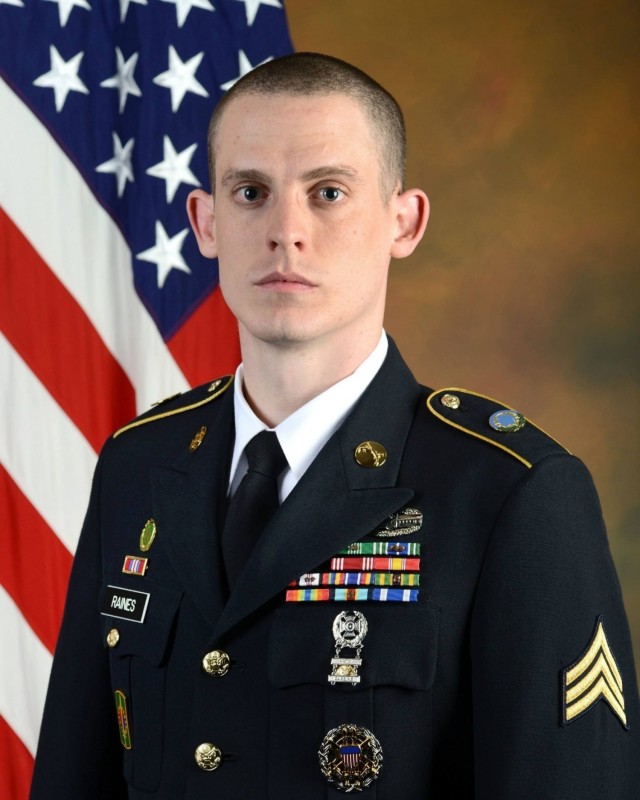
x=281 y=378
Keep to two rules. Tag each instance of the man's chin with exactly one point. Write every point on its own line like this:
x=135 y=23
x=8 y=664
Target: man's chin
x=280 y=335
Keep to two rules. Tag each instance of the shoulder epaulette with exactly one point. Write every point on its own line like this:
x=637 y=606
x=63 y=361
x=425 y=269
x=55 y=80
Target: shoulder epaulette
x=492 y=422
x=194 y=399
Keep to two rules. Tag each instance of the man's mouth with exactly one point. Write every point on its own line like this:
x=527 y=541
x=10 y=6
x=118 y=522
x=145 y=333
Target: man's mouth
x=281 y=281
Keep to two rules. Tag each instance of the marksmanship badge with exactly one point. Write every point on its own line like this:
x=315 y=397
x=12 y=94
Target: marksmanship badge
x=350 y=757
x=349 y=630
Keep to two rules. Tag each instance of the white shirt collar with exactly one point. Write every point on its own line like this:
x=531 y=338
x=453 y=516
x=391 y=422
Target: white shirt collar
x=305 y=432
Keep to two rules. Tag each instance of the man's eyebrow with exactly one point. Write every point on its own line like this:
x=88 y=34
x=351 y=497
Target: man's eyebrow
x=315 y=174
x=253 y=175
x=331 y=171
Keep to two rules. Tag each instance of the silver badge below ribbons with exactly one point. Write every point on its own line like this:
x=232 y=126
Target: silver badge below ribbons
x=349 y=630
x=407 y=521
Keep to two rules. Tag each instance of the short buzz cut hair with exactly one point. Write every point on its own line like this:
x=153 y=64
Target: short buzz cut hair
x=304 y=74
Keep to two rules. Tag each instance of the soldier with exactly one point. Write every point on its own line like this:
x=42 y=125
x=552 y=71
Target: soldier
x=319 y=577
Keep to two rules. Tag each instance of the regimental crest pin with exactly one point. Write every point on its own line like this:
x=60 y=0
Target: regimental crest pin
x=404 y=522
x=594 y=676
x=349 y=630
x=350 y=757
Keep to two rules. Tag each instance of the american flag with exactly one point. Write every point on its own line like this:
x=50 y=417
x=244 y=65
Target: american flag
x=105 y=303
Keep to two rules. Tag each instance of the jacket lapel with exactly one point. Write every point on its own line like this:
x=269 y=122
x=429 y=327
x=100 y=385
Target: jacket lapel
x=187 y=498
x=337 y=501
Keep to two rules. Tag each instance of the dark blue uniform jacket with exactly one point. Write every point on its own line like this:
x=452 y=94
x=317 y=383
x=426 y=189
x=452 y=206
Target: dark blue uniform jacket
x=465 y=689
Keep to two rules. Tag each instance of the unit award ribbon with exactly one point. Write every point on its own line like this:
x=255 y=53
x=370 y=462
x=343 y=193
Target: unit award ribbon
x=349 y=630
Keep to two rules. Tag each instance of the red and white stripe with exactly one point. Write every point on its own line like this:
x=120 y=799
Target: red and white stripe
x=79 y=355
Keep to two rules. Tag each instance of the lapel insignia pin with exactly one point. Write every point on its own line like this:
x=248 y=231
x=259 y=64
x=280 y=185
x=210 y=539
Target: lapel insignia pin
x=134 y=565
x=213 y=386
x=123 y=719
x=407 y=521
x=370 y=454
x=148 y=535
x=594 y=676
x=197 y=439
x=350 y=757
x=349 y=630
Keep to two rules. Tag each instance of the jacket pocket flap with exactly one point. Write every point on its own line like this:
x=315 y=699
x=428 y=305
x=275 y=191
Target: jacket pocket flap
x=143 y=617
x=399 y=648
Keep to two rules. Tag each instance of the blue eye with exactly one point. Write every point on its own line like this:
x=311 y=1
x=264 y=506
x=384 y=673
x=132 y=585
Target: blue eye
x=250 y=193
x=331 y=194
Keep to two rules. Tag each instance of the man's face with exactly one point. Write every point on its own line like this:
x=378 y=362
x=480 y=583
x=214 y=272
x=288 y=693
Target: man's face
x=301 y=231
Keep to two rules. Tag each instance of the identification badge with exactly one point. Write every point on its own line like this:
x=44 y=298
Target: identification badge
x=350 y=758
x=124 y=603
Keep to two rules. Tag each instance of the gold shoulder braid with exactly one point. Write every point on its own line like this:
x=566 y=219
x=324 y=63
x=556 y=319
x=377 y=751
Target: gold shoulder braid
x=213 y=391
x=490 y=421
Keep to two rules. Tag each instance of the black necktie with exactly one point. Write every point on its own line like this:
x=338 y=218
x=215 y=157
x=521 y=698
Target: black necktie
x=253 y=503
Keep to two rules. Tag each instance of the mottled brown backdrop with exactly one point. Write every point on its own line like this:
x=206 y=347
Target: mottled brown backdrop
x=524 y=131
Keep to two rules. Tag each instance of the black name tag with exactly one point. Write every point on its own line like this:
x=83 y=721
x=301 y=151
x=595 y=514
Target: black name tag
x=124 y=603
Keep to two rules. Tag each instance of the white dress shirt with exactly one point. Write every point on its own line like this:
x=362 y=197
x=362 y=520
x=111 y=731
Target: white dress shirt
x=305 y=432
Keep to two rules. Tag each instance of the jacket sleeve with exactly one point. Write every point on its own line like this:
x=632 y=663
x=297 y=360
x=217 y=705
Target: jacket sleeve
x=79 y=752
x=547 y=586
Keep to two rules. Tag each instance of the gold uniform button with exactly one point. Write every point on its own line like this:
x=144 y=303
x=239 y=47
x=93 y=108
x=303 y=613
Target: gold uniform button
x=208 y=756
x=450 y=401
x=216 y=663
x=113 y=637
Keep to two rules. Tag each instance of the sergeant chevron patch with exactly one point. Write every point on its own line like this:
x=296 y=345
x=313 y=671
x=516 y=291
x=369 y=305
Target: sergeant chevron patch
x=593 y=677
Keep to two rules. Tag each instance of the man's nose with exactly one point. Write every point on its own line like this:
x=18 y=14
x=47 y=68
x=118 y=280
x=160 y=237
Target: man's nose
x=287 y=223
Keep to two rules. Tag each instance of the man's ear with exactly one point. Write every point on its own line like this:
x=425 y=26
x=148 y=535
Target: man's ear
x=412 y=213
x=202 y=216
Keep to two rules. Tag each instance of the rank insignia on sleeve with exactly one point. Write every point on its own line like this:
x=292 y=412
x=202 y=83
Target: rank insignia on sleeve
x=593 y=677
x=123 y=719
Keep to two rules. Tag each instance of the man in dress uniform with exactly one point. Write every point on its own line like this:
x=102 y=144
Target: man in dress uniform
x=318 y=577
